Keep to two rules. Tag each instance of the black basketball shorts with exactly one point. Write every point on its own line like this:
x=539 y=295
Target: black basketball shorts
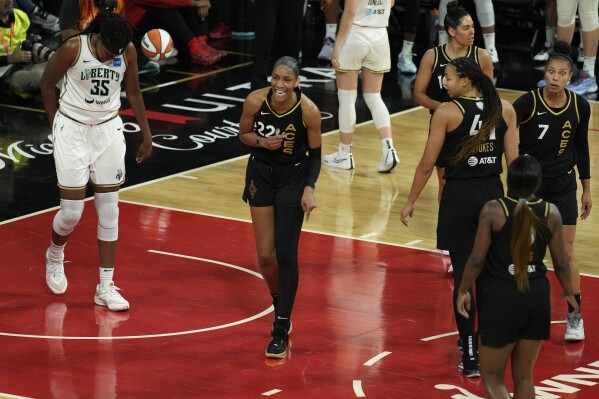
x=561 y=191
x=268 y=184
x=507 y=315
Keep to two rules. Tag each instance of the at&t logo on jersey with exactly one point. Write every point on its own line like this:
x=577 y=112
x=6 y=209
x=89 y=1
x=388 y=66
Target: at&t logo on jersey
x=473 y=161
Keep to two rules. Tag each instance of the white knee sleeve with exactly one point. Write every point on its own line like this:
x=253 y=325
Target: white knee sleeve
x=587 y=12
x=378 y=109
x=347 y=110
x=566 y=12
x=107 y=208
x=485 y=13
x=68 y=216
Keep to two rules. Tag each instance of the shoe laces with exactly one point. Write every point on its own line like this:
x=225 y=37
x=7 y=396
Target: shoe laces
x=112 y=291
x=574 y=322
x=55 y=267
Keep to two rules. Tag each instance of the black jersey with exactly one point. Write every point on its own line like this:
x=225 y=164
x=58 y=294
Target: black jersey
x=499 y=262
x=435 y=88
x=486 y=161
x=267 y=122
x=556 y=137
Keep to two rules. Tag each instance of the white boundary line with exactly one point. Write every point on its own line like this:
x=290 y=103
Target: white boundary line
x=171 y=334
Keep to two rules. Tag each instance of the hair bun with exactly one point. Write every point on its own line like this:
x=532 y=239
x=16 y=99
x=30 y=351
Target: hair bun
x=453 y=5
x=561 y=47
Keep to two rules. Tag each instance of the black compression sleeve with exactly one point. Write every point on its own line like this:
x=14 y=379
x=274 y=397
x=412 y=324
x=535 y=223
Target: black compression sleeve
x=581 y=141
x=313 y=166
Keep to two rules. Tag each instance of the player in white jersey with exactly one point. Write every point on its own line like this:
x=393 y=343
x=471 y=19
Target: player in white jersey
x=362 y=45
x=89 y=145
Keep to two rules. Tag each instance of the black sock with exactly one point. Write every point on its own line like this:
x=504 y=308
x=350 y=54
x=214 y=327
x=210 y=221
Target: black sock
x=577 y=297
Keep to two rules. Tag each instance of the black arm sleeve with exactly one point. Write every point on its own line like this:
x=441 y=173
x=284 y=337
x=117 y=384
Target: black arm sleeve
x=581 y=140
x=313 y=166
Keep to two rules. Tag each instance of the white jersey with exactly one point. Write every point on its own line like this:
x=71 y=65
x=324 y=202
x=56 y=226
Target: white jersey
x=373 y=13
x=91 y=91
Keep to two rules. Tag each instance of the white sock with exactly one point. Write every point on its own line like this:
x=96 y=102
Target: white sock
x=106 y=274
x=489 y=39
x=406 y=49
x=345 y=148
x=56 y=251
x=589 y=66
x=387 y=144
x=443 y=37
x=331 y=31
x=549 y=36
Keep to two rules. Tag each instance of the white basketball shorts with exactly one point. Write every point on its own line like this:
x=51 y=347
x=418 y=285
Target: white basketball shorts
x=88 y=153
x=367 y=48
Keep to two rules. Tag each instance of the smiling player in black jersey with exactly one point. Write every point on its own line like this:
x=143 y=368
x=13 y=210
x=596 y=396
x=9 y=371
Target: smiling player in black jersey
x=280 y=125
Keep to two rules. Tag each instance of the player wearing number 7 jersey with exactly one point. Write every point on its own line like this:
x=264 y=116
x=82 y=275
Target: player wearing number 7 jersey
x=554 y=125
x=89 y=145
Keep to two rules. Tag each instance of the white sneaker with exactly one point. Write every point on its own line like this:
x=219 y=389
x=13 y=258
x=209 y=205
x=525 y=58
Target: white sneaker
x=494 y=55
x=574 y=328
x=107 y=294
x=388 y=162
x=542 y=55
x=326 y=52
x=55 y=277
x=340 y=161
x=450 y=270
x=405 y=64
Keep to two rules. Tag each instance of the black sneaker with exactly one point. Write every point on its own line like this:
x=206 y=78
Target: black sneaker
x=279 y=341
x=470 y=368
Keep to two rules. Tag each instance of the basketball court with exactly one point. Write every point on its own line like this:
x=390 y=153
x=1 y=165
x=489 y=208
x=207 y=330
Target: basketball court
x=373 y=316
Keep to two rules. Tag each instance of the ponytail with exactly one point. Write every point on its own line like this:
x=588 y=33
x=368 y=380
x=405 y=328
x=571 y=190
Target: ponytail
x=523 y=180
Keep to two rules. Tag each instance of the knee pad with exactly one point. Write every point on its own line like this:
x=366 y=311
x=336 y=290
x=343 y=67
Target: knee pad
x=378 y=109
x=566 y=12
x=107 y=208
x=587 y=12
x=347 y=110
x=485 y=13
x=68 y=216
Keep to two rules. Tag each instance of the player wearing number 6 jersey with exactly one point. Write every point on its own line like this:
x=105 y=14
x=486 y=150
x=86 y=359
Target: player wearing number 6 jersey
x=554 y=125
x=280 y=125
x=89 y=145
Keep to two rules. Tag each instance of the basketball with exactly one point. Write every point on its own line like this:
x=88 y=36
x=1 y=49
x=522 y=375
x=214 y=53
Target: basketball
x=157 y=45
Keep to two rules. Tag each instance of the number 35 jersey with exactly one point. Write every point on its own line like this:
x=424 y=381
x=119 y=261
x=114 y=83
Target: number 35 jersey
x=91 y=90
x=290 y=124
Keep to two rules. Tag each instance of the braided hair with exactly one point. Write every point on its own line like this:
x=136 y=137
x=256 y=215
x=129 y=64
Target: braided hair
x=113 y=29
x=523 y=179
x=455 y=13
x=492 y=109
